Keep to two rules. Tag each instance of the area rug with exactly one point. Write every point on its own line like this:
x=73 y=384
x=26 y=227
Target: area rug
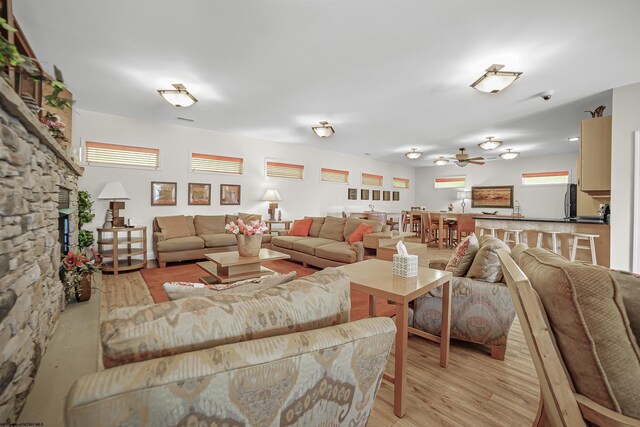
x=190 y=272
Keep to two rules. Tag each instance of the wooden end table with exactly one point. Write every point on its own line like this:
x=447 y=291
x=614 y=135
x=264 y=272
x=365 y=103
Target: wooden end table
x=122 y=259
x=227 y=267
x=375 y=278
x=286 y=225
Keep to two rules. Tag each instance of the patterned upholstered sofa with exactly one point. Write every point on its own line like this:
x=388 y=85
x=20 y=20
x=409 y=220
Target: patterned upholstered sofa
x=481 y=312
x=284 y=355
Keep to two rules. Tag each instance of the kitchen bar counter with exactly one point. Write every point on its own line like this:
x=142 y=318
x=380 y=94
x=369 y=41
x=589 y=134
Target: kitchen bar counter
x=531 y=226
x=561 y=220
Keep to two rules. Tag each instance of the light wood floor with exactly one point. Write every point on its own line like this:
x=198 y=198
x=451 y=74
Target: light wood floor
x=475 y=390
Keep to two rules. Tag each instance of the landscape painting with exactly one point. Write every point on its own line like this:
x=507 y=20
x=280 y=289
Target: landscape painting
x=492 y=197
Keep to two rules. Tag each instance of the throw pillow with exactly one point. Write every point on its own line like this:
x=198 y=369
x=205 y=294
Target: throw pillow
x=247 y=218
x=629 y=284
x=300 y=227
x=359 y=232
x=173 y=226
x=333 y=228
x=314 y=231
x=486 y=265
x=463 y=256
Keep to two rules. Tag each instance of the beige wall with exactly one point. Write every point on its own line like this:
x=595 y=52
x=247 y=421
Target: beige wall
x=626 y=120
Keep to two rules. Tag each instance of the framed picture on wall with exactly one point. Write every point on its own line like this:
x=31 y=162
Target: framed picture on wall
x=386 y=195
x=375 y=195
x=229 y=194
x=163 y=193
x=364 y=194
x=353 y=194
x=396 y=196
x=199 y=194
x=500 y=196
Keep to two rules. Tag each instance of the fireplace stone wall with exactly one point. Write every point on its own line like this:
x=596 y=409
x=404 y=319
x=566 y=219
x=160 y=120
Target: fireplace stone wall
x=33 y=168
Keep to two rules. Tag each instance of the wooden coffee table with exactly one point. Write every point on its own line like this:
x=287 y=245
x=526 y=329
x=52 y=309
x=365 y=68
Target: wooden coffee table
x=375 y=278
x=227 y=267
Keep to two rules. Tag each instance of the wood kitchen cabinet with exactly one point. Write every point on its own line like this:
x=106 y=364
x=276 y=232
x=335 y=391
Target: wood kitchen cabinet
x=595 y=157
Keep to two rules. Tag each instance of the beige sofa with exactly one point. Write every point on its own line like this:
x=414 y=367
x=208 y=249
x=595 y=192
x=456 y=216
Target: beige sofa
x=206 y=234
x=283 y=355
x=326 y=245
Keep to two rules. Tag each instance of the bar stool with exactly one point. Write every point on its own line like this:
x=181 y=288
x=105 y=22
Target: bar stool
x=554 y=240
x=576 y=245
x=492 y=230
x=507 y=238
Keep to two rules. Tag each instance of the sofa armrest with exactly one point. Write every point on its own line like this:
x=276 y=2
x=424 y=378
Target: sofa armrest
x=358 y=247
x=157 y=237
x=282 y=233
x=438 y=263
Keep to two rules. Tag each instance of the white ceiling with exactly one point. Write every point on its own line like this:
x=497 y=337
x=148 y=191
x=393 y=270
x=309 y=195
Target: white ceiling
x=389 y=75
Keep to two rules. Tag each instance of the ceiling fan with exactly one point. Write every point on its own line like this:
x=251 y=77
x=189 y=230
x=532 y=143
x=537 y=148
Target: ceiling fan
x=462 y=159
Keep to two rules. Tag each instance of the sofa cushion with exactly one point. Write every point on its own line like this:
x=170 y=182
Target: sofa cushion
x=337 y=251
x=300 y=227
x=285 y=241
x=359 y=232
x=230 y=218
x=486 y=264
x=463 y=256
x=181 y=244
x=630 y=291
x=209 y=224
x=333 y=228
x=352 y=223
x=132 y=334
x=173 y=226
x=247 y=218
x=316 y=225
x=219 y=240
x=584 y=307
x=309 y=245
x=517 y=250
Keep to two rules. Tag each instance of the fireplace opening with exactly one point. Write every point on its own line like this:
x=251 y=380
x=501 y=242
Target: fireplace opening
x=64 y=210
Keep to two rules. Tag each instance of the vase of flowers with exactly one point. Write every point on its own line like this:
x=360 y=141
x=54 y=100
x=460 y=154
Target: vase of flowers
x=77 y=275
x=248 y=236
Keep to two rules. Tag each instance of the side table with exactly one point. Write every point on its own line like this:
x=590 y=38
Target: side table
x=286 y=224
x=122 y=258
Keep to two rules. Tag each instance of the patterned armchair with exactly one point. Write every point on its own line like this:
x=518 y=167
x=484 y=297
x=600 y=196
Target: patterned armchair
x=286 y=355
x=481 y=312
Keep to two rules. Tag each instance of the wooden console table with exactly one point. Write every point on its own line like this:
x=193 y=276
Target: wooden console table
x=136 y=240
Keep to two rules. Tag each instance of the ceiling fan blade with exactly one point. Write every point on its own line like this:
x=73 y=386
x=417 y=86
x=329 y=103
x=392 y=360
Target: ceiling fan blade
x=476 y=158
x=475 y=162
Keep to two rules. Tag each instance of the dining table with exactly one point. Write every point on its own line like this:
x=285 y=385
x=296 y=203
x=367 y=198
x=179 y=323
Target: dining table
x=443 y=216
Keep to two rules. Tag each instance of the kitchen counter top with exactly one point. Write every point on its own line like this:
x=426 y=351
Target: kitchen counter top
x=558 y=220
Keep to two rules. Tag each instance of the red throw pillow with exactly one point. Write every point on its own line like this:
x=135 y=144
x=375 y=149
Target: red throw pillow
x=301 y=227
x=362 y=229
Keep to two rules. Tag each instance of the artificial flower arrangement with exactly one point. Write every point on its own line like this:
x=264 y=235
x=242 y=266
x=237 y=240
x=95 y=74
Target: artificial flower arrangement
x=76 y=267
x=253 y=228
x=54 y=125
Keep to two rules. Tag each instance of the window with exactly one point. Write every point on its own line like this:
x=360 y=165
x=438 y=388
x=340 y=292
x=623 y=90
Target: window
x=211 y=163
x=121 y=155
x=285 y=170
x=545 y=178
x=400 y=183
x=450 y=182
x=334 y=175
x=370 y=179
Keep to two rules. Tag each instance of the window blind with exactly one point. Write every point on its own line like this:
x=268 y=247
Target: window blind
x=285 y=170
x=370 y=179
x=400 y=183
x=334 y=175
x=220 y=164
x=121 y=155
x=545 y=178
x=450 y=182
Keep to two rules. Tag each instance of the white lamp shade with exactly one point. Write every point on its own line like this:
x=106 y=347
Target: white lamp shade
x=463 y=195
x=272 y=196
x=494 y=83
x=323 y=131
x=178 y=99
x=113 y=191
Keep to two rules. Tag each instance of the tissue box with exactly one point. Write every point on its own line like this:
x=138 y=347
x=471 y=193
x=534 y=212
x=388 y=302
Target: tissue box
x=405 y=265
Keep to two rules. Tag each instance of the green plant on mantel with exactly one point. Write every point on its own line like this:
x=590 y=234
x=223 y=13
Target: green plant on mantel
x=85 y=216
x=11 y=58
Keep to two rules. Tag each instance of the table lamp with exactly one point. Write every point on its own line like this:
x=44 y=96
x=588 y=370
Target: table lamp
x=113 y=191
x=463 y=195
x=272 y=196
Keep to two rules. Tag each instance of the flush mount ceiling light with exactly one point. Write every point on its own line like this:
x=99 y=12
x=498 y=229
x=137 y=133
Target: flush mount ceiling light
x=178 y=97
x=441 y=161
x=414 y=154
x=574 y=138
x=509 y=155
x=325 y=130
x=490 y=144
x=494 y=80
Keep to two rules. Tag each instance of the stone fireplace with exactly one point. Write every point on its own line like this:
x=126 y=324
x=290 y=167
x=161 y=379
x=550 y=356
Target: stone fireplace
x=33 y=172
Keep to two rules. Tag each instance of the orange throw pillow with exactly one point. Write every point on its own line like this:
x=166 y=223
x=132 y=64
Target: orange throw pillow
x=301 y=227
x=360 y=231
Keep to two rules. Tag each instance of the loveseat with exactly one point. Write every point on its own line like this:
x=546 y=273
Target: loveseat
x=326 y=244
x=184 y=237
x=282 y=355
